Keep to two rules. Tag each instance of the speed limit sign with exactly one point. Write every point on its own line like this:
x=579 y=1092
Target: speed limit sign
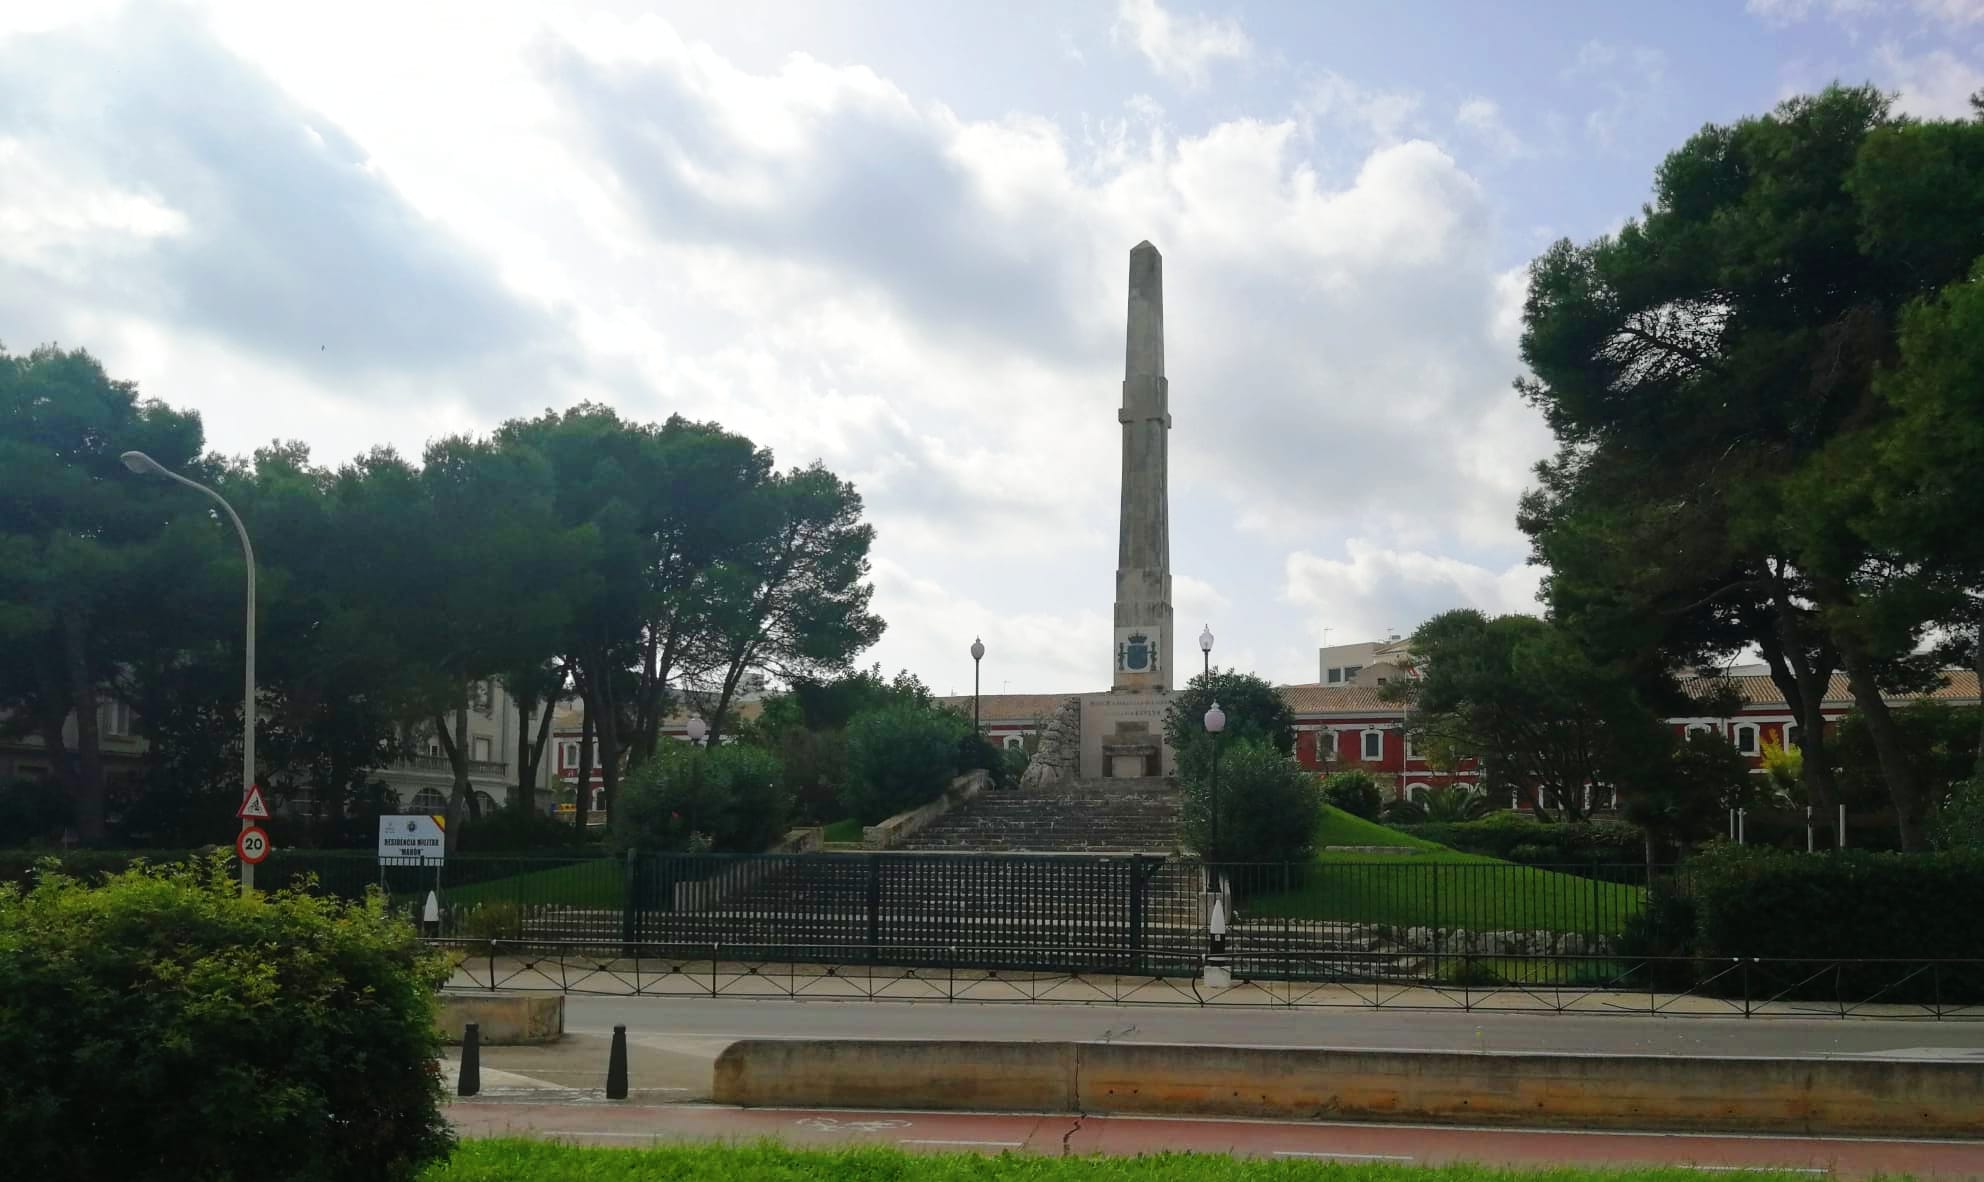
x=252 y=845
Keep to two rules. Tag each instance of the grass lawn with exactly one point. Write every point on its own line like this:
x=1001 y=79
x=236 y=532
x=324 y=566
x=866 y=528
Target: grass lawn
x=848 y=830
x=597 y=882
x=1441 y=887
x=512 y=1161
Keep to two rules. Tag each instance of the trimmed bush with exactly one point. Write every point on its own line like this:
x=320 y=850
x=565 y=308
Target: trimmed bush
x=1849 y=903
x=731 y=798
x=1269 y=807
x=1355 y=792
x=516 y=831
x=1518 y=838
x=899 y=757
x=161 y=1026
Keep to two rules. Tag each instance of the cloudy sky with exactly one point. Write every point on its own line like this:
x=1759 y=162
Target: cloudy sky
x=893 y=235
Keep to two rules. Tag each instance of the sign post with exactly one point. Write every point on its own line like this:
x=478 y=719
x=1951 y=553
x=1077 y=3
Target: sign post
x=253 y=808
x=416 y=839
x=252 y=846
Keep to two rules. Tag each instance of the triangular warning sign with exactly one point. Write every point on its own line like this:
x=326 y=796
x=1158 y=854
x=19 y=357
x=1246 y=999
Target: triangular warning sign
x=252 y=805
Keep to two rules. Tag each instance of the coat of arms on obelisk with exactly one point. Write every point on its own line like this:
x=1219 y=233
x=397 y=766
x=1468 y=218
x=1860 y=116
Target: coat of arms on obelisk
x=1137 y=654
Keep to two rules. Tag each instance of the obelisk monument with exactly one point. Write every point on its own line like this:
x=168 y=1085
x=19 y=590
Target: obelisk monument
x=1143 y=656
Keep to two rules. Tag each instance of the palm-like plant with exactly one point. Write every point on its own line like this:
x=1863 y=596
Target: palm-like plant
x=1454 y=802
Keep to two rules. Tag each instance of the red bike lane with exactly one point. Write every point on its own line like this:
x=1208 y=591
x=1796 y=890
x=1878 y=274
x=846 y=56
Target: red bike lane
x=610 y=1123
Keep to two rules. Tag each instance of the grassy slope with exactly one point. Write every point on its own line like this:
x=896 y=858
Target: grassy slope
x=1442 y=887
x=847 y=830
x=600 y=882
x=509 y=1161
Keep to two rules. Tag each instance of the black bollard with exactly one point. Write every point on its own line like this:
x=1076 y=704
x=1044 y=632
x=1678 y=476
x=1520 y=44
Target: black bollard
x=616 y=1066
x=471 y=1074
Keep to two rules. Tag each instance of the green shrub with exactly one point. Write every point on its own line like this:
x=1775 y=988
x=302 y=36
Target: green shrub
x=1960 y=818
x=516 y=831
x=31 y=811
x=492 y=921
x=1269 y=807
x=1518 y=838
x=1845 y=904
x=898 y=757
x=1255 y=712
x=1355 y=792
x=731 y=798
x=161 y=1026
x=977 y=751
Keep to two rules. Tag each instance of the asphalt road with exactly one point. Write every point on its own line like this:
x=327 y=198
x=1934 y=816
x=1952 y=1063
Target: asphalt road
x=660 y=1020
x=603 y=1123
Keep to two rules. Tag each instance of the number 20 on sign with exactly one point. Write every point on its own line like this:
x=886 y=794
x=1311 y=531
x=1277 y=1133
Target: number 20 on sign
x=252 y=845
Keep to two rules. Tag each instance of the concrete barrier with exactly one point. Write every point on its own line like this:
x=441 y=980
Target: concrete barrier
x=506 y=1019
x=1806 y=1096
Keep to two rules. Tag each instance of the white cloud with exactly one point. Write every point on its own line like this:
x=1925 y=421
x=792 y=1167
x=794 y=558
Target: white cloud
x=1377 y=115
x=1848 y=12
x=1934 y=85
x=1374 y=589
x=1180 y=48
x=1482 y=119
x=838 y=268
x=1632 y=80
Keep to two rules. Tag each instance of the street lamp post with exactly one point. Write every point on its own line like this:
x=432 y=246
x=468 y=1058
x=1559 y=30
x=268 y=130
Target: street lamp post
x=144 y=465
x=1215 y=723
x=977 y=655
x=1205 y=646
x=697 y=730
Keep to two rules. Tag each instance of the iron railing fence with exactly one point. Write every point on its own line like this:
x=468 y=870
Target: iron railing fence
x=1744 y=987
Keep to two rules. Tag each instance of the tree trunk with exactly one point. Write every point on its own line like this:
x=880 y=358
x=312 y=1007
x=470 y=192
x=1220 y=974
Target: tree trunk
x=1803 y=674
x=87 y=787
x=582 y=796
x=530 y=752
x=456 y=747
x=526 y=772
x=1977 y=664
x=1888 y=749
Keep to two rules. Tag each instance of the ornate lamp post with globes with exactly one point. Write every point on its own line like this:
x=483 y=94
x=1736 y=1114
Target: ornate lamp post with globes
x=1215 y=723
x=977 y=655
x=1205 y=646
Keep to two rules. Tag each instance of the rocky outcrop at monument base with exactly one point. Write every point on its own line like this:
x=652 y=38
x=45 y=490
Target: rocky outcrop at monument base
x=1058 y=756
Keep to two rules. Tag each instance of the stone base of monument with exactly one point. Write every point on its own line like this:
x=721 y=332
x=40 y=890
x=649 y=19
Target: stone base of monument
x=1122 y=737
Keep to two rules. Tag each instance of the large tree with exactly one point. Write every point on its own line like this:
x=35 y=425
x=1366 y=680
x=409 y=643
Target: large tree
x=1701 y=369
x=792 y=598
x=79 y=534
x=1543 y=716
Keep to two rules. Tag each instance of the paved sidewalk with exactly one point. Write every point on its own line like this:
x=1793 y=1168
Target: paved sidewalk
x=596 y=1122
x=683 y=977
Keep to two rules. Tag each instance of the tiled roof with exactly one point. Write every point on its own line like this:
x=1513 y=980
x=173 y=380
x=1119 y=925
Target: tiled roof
x=1959 y=685
x=1330 y=699
x=568 y=719
x=1007 y=707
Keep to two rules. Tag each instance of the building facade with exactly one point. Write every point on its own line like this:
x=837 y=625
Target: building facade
x=1338 y=727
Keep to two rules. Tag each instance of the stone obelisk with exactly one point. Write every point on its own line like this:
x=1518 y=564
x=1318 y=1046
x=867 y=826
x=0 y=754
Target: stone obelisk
x=1143 y=657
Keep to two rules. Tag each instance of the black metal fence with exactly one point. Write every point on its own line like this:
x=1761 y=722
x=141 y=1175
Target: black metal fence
x=1384 y=922
x=1745 y=987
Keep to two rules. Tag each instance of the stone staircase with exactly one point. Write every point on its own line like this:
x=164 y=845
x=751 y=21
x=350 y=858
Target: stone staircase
x=1089 y=816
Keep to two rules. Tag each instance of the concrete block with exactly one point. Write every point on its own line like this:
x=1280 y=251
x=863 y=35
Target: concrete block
x=864 y=1073
x=1793 y=1096
x=506 y=1019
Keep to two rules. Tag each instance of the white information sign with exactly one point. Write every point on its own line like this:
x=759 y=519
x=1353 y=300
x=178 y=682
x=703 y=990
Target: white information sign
x=411 y=839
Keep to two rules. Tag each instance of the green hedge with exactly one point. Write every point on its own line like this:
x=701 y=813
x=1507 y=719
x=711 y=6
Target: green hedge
x=1515 y=837
x=1848 y=903
x=163 y=1026
x=1778 y=925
